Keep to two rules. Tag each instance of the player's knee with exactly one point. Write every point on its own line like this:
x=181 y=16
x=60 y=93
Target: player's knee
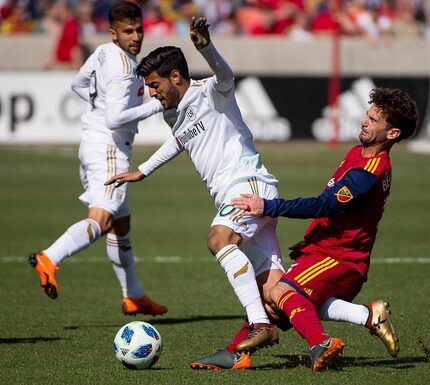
x=215 y=244
x=221 y=236
x=106 y=226
x=121 y=226
x=102 y=217
x=275 y=292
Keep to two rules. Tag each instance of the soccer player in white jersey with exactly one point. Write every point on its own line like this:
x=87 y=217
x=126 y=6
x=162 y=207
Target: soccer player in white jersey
x=210 y=129
x=108 y=82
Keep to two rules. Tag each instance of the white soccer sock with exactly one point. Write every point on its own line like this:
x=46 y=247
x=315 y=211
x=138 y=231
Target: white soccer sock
x=241 y=275
x=76 y=238
x=121 y=255
x=335 y=309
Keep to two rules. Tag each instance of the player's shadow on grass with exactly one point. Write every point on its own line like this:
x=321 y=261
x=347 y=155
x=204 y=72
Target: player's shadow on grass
x=165 y=321
x=291 y=361
x=393 y=363
x=27 y=340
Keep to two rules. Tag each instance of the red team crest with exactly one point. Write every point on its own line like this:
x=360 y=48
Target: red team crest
x=344 y=195
x=140 y=91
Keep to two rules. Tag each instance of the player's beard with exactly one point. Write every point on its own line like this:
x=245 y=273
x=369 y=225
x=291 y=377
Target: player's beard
x=172 y=97
x=134 y=49
x=361 y=138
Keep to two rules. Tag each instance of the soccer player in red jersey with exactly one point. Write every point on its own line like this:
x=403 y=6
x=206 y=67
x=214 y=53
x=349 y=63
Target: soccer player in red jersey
x=334 y=258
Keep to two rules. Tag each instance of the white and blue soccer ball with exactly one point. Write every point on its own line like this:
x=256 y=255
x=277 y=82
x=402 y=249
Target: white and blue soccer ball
x=138 y=345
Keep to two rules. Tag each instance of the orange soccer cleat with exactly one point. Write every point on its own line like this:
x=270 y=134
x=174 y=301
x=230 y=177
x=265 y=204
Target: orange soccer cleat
x=223 y=360
x=325 y=352
x=46 y=269
x=144 y=305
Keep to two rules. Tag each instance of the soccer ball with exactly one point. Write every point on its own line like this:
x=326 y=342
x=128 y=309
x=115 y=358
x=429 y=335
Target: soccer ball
x=137 y=345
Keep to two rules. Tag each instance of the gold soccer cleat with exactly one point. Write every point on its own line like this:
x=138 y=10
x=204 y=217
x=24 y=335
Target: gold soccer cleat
x=144 y=305
x=380 y=325
x=261 y=336
x=46 y=269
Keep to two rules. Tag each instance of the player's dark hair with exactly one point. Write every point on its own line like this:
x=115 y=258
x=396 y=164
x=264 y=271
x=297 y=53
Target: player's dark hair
x=123 y=11
x=164 y=60
x=399 y=110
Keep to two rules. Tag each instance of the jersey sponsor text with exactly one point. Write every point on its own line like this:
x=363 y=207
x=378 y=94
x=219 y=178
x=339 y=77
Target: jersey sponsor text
x=191 y=133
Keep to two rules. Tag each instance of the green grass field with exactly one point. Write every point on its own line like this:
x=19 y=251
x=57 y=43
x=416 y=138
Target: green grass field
x=69 y=340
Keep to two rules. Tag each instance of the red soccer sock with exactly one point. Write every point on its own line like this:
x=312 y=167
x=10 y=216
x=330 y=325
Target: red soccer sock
x=239 y=337
x=303 y=316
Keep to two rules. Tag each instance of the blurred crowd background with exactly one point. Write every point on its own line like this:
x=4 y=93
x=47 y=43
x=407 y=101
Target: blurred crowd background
x=72 y=22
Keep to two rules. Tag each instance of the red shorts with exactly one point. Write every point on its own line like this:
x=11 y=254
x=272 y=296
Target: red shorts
x=320 y=277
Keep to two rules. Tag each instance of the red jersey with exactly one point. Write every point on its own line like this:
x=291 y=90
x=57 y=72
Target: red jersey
x=68 y=41
x=350 y=238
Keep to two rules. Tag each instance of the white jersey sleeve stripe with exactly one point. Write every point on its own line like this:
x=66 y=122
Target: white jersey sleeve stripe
x=125 y=64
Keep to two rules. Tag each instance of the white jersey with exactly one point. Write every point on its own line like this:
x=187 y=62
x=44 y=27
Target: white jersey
x=210 y=128
x=108 y=76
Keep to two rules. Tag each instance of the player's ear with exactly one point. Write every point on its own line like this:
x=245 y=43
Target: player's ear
x=113 y=35
x=175 y=76
x=393 y=133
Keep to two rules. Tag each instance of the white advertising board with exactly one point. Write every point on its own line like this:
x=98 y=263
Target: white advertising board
x=39 y=107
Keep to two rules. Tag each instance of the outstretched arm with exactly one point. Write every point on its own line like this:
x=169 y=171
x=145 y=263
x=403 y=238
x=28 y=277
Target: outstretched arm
x=200 y=36
x=357 y=182
x=166 y=152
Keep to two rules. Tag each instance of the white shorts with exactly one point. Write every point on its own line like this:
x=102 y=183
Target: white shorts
x=99 y=162
x=259 y=240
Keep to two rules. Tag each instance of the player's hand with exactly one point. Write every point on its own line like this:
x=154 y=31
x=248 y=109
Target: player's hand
x=199 y=32
x=251 y=203
x=296 y=250
x=120 y=179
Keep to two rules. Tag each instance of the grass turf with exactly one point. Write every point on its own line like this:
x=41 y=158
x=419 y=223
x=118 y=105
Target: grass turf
x=69 y=340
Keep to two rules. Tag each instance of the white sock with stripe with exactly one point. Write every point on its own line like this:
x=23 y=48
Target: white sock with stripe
x=335 y=309
x=121 y=255
x=76 y=238
x=241 y=275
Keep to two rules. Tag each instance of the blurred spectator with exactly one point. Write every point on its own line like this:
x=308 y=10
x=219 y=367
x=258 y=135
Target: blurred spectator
x=155 y=25
x=17 y=19
x=185 y=11
x=5 y=9
x=285 y=13
x=404 y=23
x=86 y=20
x=100 y=14
x=326 y=18
x=146 y=5
x=265 y=23
x=249 y=18
x=372 y=23
x=228 y=26
x=68 y=52
x=299 y=30
x=217 y=10
x=221 y=16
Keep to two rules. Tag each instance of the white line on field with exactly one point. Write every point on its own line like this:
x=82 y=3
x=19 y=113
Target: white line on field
x=207 y=258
